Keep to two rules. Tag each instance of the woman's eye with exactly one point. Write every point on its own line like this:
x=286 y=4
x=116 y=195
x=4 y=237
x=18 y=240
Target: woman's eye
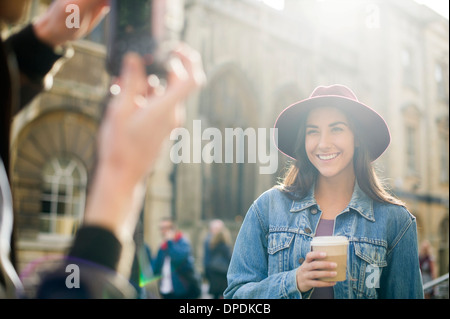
x=337 y=129
x=310 y=132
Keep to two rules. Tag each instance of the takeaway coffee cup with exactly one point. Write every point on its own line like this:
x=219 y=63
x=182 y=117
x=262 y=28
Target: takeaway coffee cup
x=336 y=248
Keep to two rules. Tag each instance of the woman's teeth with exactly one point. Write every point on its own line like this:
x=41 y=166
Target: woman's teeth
x=327 y=157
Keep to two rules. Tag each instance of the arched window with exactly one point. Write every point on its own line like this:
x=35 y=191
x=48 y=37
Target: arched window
x=228 y=189
x=52 y=160
x=64 y=181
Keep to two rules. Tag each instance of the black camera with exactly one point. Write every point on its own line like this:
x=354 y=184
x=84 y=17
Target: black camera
x=141 y=26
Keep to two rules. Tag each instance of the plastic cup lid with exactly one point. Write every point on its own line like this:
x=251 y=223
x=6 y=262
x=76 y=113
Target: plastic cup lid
x=329 y=240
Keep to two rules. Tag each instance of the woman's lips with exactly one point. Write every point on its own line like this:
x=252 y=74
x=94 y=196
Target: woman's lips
x=327 y=157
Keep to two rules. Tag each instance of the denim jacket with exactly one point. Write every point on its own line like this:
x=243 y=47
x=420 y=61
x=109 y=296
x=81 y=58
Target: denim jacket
x=277 y=231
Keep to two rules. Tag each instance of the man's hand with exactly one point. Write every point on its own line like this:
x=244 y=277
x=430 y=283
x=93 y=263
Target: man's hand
x=51 y=27
x=135 y=125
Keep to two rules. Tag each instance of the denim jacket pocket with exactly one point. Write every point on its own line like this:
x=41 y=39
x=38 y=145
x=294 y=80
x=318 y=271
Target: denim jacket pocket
x=278 y=250
x=367 y=261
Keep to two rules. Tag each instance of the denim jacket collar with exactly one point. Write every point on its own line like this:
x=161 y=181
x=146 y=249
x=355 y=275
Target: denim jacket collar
x=359 y=202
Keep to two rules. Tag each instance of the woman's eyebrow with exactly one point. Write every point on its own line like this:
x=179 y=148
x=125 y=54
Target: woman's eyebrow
x=337 y=123
x=331 y=124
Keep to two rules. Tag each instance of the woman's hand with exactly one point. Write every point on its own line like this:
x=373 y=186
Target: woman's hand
x=312 y=269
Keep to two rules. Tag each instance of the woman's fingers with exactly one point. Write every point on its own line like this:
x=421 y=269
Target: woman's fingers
x=314 y=268
x=322 y=265
x=313 y=255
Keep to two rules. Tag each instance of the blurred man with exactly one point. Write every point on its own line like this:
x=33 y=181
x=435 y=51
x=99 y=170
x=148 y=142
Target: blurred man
x=175 y=264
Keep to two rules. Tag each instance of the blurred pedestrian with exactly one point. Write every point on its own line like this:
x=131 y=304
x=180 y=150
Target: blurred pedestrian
x=174 y=263
x=103 y=246
x=331 y=189
x=142 y=275
x=217 y=257
x=427 y=266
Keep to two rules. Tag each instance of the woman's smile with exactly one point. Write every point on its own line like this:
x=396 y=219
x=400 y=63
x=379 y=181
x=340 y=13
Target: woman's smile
x=328 y=157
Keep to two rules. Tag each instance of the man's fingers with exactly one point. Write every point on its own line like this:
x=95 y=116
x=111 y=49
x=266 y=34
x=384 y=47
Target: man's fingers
x=93 y=10
x=132 y=76
x=192 y=61
x=132 y=83
x=186 y=69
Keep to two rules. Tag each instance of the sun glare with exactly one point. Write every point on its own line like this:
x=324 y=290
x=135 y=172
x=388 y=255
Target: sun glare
x=440 y=6
x=275 y=4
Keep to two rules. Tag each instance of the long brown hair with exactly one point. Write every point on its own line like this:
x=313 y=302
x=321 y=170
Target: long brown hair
x=301 y=175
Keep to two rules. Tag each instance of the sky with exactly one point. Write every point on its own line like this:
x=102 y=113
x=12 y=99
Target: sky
x=440 y=6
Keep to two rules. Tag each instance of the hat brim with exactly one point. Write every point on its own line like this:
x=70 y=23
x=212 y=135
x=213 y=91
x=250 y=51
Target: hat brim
x=374 y=130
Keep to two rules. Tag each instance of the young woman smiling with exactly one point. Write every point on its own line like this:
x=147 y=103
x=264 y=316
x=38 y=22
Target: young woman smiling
x=331 y=189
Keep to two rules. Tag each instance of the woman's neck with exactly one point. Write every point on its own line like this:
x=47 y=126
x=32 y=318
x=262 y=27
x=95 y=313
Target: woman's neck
x=333 y=196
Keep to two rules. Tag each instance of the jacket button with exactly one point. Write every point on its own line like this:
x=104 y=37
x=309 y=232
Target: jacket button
x=313 y=211
x=301 y=260
x=308 y=231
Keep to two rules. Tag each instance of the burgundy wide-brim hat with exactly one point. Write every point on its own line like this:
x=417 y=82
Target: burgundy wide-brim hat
x=374 y=130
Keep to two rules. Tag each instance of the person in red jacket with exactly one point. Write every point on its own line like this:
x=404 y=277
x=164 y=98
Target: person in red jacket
x=174 y=264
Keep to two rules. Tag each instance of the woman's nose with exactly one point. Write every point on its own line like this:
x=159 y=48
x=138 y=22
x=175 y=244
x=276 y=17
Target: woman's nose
x=324 y=142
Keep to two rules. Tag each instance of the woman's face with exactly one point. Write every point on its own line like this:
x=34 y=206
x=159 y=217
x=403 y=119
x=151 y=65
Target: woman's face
x=329 y=142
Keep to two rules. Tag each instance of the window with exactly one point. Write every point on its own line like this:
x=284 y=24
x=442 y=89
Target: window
x=412 y=128
x=411 y=150
x=441 y=86
x=228 y=188
x=53 y=158
x=408 y=68
x=443 y=165
x=63 y=196
x=444 y=161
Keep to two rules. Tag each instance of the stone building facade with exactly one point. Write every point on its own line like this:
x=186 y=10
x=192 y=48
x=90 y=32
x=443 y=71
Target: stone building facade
x=393 y=54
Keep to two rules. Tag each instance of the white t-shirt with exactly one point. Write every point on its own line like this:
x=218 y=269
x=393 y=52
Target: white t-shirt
x=166 y=280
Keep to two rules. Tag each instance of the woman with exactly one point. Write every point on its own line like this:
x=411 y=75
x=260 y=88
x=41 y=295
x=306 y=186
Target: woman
x=330 y=189
x=217 y=258
x=427 y=266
